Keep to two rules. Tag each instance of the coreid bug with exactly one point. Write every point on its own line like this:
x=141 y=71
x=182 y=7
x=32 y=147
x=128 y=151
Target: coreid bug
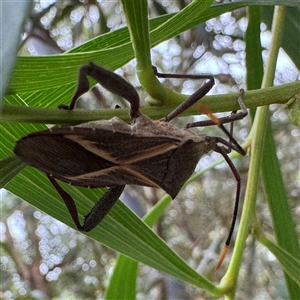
x=112 y=153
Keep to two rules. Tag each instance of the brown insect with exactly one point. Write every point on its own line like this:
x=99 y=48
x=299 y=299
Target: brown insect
x=112 y=153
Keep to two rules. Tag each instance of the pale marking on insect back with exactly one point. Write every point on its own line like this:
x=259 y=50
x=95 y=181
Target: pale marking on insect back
x=137 y=156
x=72 y=128
x=140 y=177
x=106 y=172
x=91 y=147
x=151 y=152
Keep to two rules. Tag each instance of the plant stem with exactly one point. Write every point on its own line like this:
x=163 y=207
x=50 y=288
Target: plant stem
x=229 y=281
x=215 y=103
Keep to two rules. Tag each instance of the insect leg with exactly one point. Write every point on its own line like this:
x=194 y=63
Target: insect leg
x=229 y=119
x=201 y=92
x=102 y=207
x=110 y=81
x=98 y=212
x=236 y=174
x=69 y=202
x=192 y=99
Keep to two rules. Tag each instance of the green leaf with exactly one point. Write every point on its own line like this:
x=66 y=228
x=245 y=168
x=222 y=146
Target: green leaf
x=268 y=2
x=49 y=81
x=122 y=283
x=33 y=73
x=290 y=42
x=11 y=28
x=254 y=62
x=271 y=175
x=10 y=167
x=121 y=230
x=289 y=262
x=263 y=157
x=284 y=226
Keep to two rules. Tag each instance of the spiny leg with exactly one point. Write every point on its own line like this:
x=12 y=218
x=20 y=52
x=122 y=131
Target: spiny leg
x=98 y=212
x=110 y=81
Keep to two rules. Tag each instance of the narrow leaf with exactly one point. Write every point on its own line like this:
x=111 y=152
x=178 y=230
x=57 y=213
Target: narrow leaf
x=289 y=262
x=123 y=280
x=10 y=167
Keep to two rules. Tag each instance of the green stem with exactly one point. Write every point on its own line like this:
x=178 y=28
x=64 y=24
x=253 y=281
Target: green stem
x=229 y=281
x=215 y=103
x=137 y=19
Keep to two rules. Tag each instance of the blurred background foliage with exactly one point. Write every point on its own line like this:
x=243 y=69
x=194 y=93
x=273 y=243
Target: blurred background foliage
x=42 y=258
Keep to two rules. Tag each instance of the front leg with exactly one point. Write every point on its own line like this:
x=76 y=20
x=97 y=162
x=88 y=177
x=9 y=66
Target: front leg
x=98 y=212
